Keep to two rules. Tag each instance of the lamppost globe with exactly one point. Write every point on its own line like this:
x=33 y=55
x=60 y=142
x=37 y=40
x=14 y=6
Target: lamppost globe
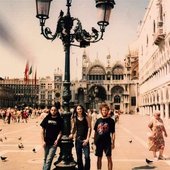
x=104 y=10
x=43 y=9
x=71 y=33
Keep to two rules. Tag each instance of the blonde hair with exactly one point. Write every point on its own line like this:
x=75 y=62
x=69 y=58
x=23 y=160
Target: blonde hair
x=104 y=105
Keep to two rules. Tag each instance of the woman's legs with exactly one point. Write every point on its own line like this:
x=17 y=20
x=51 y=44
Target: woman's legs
x=78 y=146
x=161 y=153
x=86 y=150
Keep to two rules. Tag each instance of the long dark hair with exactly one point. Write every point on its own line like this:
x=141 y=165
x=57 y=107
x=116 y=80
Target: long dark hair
x=83 y=111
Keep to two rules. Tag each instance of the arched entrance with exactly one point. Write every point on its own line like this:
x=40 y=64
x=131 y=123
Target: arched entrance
x=117 y=97
x=96 y=95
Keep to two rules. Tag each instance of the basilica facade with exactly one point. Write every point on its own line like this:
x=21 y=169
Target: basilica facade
x=114 y=83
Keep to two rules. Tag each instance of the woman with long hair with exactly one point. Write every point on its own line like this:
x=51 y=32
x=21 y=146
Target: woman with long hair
x=81 y=128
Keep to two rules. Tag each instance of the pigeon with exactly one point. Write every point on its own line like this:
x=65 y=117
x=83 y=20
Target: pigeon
x=0 y=129
x=20 y=138
x=5 y=138
x=34 y=150
x=130 y=141
x=148 y=161
x=3 y=158
x=1 y=140
x=61 y=14
x=94 y=30
x=20 y=146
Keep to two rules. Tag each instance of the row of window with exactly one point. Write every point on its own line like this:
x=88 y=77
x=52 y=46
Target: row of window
x=103 y=77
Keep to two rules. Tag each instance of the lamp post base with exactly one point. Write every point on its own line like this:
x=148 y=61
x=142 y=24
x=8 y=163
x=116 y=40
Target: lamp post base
x=65 y=160
x=65 y=167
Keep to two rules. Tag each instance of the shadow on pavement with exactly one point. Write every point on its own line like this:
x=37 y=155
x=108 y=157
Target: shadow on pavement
x=144 y=167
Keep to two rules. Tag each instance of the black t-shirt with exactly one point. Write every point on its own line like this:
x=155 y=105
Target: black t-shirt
x=52 y=128
x=82 y=128
x=103 y=128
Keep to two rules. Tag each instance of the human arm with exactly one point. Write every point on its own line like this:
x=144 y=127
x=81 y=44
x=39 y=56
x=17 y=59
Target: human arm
x=42 y=137
x=58 y=138
x=113 y=140
x=85 y=142
x=165 y=133
x=150 y=125
x=73 y=128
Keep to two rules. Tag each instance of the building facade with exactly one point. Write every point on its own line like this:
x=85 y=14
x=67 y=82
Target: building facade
x=16 y=92
x=154 y=59
x=116 y=83
x=50 y=90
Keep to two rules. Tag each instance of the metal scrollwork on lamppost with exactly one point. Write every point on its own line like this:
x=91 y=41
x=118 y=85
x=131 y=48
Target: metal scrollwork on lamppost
x=71 y=33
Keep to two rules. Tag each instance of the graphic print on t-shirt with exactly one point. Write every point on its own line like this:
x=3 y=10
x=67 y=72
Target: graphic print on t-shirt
x=102 y=128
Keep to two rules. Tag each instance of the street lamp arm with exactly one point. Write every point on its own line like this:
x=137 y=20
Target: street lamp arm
x=77 y=33
x=47 y=33
x=81 y=34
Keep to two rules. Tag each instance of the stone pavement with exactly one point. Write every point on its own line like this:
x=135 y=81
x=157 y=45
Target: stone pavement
x=126 y=155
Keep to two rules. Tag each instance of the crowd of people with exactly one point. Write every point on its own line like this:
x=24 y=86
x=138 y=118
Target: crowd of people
x=90 y=129
x=21 y=115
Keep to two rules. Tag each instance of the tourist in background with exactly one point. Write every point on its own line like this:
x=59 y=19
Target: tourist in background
x=156 y=140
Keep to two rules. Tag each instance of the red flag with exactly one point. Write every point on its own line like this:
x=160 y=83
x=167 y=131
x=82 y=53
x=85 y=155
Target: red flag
x=26 y=72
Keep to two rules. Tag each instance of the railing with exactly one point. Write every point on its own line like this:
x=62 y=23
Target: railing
x=159 y=36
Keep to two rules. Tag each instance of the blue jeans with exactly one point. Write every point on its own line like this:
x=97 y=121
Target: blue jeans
x=49 y=152
x=86 y=151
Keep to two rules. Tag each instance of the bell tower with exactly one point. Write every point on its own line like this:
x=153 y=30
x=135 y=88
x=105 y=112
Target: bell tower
x=85 y=64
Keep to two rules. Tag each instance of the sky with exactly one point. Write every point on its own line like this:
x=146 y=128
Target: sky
x=20 y=38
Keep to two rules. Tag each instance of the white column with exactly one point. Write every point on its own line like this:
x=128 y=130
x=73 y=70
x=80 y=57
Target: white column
x=154 y=109
x=166 y=110
x=142 y=111
x=161 y=110
x=151 y=111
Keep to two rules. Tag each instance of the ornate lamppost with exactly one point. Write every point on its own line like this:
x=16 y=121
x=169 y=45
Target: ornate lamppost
x=71 y=33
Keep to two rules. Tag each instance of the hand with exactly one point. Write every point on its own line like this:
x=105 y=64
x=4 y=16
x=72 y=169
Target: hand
x=113 y=145
x=85 y=142
x=71 y=136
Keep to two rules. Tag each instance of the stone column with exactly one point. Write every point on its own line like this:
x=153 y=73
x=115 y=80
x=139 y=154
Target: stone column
x=162 y=110
x=166 y=110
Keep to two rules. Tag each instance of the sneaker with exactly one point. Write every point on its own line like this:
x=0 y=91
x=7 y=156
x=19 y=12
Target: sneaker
x=161 y=158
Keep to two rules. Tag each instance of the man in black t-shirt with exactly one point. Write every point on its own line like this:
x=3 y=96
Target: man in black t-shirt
x=51 y=134
x=104 y=137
